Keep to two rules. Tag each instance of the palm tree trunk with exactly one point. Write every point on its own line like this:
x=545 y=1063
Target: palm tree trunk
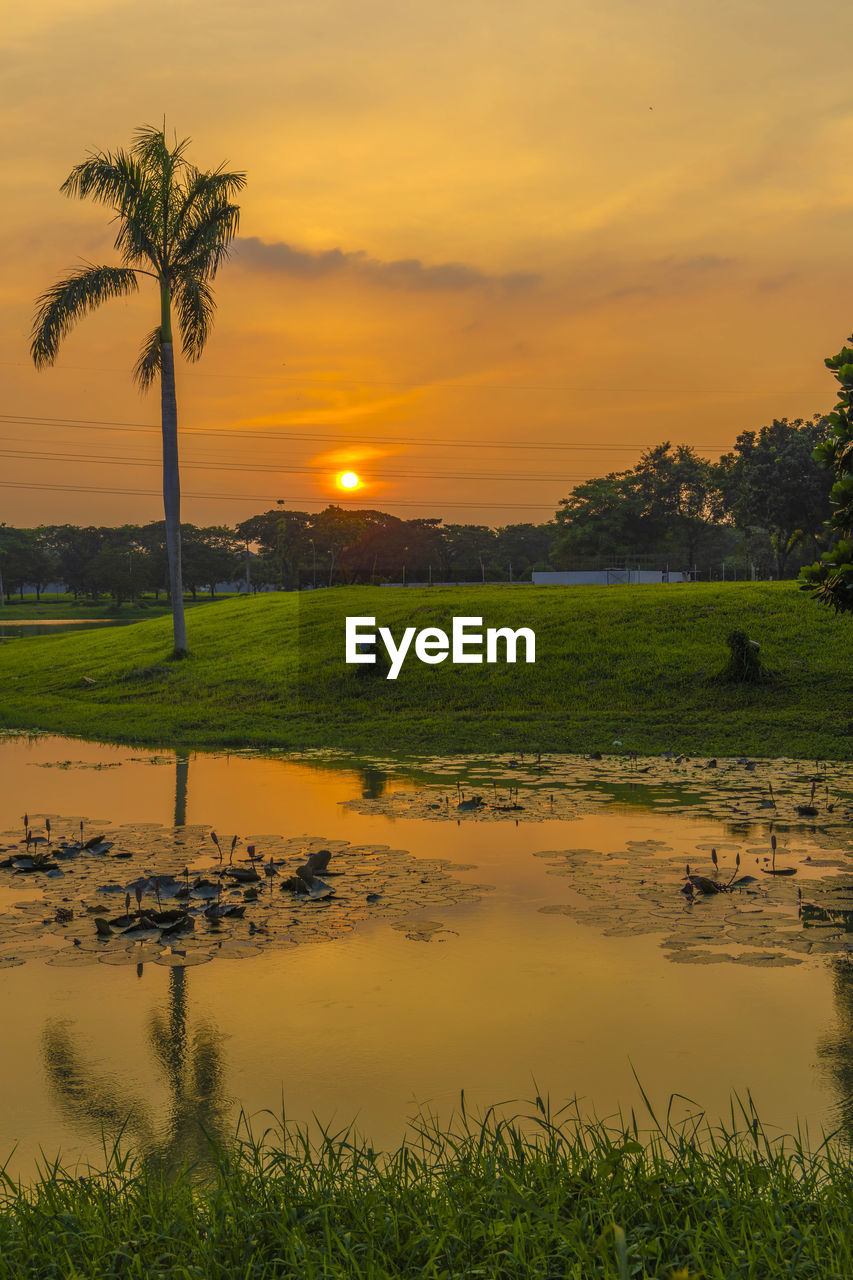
x=172 y=491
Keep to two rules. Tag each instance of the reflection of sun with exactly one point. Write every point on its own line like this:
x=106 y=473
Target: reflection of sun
x=348 y=480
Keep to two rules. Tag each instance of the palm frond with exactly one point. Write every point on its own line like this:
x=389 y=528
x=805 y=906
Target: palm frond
x=60 y=307
x=163 y=165
x=120 y=182
x=152 y=150
x=148 y=365
x=206 y=244
x=173 y=219
x=115 y=180
x=196 y=308
x=205 y=192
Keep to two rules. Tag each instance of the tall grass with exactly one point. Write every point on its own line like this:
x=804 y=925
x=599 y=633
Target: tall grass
x=531 y=1195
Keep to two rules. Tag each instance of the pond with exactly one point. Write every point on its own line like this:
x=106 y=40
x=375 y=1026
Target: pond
x=501 y=926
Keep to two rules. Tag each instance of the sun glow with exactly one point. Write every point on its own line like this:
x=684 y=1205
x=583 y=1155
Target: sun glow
x=348 y=480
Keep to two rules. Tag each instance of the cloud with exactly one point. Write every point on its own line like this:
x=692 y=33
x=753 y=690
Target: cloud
x=628 y=291
x=337 y=413
x=770 y=284
x=658 y=278
x=409 y=274
x=352 y=455
x=700 y=262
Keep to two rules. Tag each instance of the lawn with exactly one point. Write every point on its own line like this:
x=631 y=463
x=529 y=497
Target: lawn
x=66 y=607
x=629 y=664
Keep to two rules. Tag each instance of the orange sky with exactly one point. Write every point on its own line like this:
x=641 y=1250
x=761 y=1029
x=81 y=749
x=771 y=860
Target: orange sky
x=468 y=227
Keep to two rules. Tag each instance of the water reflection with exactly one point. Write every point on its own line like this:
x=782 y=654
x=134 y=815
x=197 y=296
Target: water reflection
x=835 y=1050
x=182 y=775
x=379 y=1020
x=374 y=782
x=189 y=1057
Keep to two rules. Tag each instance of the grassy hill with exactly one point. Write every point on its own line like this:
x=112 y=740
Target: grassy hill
x=628 y=663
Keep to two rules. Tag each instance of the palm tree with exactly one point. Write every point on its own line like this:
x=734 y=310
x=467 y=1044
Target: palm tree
x=175 y=225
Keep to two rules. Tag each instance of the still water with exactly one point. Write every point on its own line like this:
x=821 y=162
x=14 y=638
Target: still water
x=533 y=977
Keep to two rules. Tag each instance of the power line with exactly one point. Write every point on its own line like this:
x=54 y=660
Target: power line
x=233 y=497
x=265 y=468
x=320 y=434
x=439 y=385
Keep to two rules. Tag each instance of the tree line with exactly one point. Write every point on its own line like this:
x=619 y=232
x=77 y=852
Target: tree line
x=764 y=504
x=275 y=549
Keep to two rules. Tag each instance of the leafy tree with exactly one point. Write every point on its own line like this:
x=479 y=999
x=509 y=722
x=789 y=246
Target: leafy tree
x=682 y=508
x=830 y=580
x=601 y=517
x=417 y=547
x=774 y=481
x=111 y=570
x=73 y=548
x=121 y=564
x=522 y=547
x=210 y=555
x=395 y=549
x=152 y=538
x=283 y=544
x=468 y=552
x=175 y=226
x=674 y=489
x=663 y=506
x=24 y=561
x=335 y=530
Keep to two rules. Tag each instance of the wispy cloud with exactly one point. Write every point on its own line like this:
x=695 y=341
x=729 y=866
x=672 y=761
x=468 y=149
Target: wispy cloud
x=351 y=455
x=338 y=413
x=403 y=273
x=697 y=263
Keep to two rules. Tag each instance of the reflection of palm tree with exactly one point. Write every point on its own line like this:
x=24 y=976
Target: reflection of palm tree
x=182 y=773
x=835 y=1049
x=191 y=1059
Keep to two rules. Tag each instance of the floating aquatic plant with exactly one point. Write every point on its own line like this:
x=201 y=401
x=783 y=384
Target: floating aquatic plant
x=773 y=870
x=205 y=904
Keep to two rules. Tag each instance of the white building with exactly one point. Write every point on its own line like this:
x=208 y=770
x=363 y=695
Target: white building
x=604 y=577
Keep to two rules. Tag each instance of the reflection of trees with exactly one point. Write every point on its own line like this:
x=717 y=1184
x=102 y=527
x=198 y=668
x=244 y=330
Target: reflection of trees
x=190 y=1058
x=373 y=783
x=835 y=1050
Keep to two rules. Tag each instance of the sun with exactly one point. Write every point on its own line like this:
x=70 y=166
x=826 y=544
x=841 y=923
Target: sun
x=348 y=480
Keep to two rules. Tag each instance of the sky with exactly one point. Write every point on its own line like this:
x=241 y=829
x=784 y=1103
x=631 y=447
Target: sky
x=487 y=250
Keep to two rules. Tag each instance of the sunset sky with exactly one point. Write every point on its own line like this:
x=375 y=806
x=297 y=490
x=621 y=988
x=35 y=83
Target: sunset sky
x=472 y=232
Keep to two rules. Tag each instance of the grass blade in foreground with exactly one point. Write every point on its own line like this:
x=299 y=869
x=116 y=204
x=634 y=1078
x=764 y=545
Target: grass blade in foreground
x=536 y=1196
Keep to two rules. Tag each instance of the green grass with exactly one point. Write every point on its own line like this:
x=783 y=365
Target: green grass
x=65 y=606
x=634 y=664
x=541 y=1198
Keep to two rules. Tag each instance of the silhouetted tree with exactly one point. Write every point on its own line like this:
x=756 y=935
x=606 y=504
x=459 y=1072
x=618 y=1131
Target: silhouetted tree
x=772 y=481
x=830 y=580
x=175 y=225
x=24 y=561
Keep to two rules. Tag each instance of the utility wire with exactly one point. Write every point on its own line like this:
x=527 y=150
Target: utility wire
x=266 y=467
x=321 y=434
x=317 y=380
x=254 y=497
